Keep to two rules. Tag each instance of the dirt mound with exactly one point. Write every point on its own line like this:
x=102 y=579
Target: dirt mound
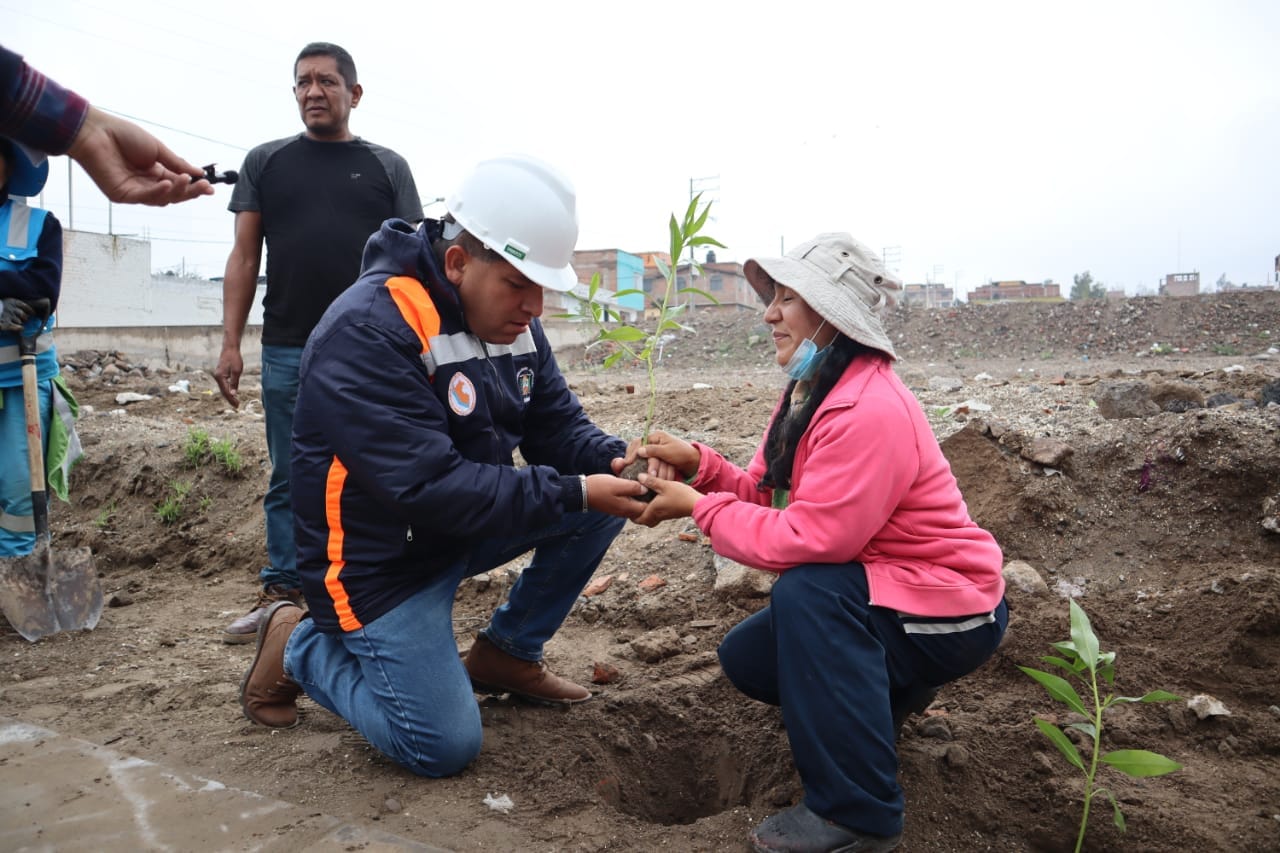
x=1154 y=523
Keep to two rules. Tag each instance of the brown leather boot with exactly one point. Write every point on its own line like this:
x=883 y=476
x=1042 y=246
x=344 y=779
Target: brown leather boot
x=267 y=695
x=494 y=671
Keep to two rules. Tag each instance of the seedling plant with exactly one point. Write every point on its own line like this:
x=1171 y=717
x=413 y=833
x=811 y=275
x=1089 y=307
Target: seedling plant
x=634 y=342
x=1083 y=662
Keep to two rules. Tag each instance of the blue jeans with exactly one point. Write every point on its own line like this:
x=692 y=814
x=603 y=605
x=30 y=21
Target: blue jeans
x=279 y=398
x=17 y=526
x=836 y=664
x=399 y=681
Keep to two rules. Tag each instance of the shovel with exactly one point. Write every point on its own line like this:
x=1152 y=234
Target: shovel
x=44 y=592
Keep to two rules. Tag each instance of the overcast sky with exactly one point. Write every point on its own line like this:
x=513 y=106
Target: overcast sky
x=975 y=141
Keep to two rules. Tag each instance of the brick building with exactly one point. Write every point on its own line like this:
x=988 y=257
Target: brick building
x=1000 y=291
x=1181 y=284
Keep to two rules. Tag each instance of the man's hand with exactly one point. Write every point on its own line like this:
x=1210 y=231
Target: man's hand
x=672 y=499
x=227 y=375
x=14 y=314
x=131 y=166
x=614 y=495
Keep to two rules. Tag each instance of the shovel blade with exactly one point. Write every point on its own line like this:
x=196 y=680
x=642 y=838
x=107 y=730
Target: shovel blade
x=43 y=592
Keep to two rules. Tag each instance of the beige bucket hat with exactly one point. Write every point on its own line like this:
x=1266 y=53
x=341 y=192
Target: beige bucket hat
x=839 y=278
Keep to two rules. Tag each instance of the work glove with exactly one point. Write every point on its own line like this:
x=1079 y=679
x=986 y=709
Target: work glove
x=15 y=313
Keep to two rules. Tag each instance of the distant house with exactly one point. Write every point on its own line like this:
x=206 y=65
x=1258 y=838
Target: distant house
x=724 y=281
x=618 y=271
x=1003 y=291
x=1181 y=284
x=928 y=295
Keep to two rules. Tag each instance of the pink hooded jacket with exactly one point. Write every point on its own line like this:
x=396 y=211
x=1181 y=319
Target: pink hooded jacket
x=870 y=483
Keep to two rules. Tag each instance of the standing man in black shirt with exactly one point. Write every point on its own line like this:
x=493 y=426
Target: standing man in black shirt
x=315 y=198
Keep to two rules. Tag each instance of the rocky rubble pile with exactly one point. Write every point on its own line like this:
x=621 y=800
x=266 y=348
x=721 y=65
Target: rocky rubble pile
x=1225 y=324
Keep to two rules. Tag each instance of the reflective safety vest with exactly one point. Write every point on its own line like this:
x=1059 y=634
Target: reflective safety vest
x=20 y=229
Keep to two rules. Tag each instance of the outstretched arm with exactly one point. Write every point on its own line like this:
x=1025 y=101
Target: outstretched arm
x=130 y=165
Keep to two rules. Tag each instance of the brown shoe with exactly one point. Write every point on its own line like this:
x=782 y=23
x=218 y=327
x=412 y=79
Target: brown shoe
x=245 y=628
x=267 y=695
x=494 y=671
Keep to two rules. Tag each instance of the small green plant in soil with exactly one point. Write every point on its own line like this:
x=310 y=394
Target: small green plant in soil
x=226 y=456
x=105 y=515
x=200 y=450
x=196 y=450
x=634 y=342
x=1082 y=660
x=169 y=510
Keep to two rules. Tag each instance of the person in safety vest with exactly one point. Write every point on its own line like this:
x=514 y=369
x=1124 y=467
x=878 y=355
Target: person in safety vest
x=30 y=276
x=417 y=386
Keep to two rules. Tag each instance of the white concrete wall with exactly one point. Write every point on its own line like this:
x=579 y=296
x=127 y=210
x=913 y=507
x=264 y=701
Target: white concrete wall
x=107 y=282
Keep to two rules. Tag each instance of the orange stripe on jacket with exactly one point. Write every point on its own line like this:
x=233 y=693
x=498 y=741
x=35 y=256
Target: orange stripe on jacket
x=333 y=518
x=416 y=307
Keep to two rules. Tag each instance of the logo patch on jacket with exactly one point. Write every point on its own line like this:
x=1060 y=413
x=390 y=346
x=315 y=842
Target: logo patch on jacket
x=462 y=395
x=524 y=378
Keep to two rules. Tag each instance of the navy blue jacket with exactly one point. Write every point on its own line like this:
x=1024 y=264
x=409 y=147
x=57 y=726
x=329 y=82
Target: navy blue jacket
x=404 y=433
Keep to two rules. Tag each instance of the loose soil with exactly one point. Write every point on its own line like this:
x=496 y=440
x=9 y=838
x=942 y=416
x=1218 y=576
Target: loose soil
x=1154 y=524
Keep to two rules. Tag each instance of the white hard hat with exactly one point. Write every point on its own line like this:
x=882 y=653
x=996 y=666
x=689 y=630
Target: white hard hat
x=524 y=210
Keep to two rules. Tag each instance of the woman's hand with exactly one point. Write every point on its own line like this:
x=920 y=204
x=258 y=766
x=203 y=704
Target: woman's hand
x=671 y=499
x=670 y=458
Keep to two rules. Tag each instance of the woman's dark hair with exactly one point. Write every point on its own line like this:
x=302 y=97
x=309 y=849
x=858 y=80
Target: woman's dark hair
x=468 y=241
x=787 y=428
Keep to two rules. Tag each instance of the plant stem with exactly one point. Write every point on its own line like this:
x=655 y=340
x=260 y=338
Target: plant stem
x=1093 y=759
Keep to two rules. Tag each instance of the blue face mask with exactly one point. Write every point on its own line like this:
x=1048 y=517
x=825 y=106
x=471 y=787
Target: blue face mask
x=804 y=362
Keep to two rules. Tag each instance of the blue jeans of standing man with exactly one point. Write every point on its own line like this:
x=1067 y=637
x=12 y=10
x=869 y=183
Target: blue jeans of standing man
x=399 y=680
x=835 y=664
x=279 y=398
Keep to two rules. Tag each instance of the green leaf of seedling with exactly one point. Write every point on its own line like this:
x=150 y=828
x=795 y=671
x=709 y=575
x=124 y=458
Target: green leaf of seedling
x=1069 y=666
x=623 y=333
x=696 y=225
x=706 y=241
x=612 y=359
x=1140 y=762
x=693 y=209
x=663 y=268
x=1160 y=696
x=1058 y=688
x=677 y=240
x=700 y=292
x=1086 y=642
x=630 y=291
x=1066 y=747
x=1068 y=650
x=1087 y=728
x=1153 y=696
x=669 y=325
x=1117 y=816
x=1108 y=673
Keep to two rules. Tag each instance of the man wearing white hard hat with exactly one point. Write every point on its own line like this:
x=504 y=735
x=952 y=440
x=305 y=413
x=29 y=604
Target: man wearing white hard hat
x=417 y=386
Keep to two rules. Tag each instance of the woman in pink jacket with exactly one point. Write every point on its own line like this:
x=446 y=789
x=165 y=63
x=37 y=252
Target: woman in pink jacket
x=886 y=587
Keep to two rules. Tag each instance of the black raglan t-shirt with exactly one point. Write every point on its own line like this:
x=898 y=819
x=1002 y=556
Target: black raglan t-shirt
x=320 y=202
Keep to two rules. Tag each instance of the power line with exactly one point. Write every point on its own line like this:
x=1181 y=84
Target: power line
x=174 y=129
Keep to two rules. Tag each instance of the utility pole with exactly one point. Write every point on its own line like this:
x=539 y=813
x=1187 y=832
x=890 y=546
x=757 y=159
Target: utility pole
x=891 y=256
